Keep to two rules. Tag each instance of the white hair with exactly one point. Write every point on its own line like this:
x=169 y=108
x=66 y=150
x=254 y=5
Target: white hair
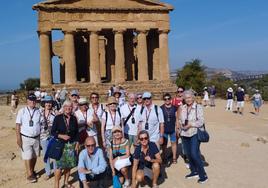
x=132 y=95
x=67 y=103
x=187 y=93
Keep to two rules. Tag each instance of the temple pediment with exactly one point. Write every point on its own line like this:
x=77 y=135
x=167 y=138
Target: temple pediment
x=150 y=5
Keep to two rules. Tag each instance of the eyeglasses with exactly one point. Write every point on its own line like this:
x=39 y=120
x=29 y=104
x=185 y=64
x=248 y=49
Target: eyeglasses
x=167 y=99
x=147 y=98
x=90 y=145
x=143 y=138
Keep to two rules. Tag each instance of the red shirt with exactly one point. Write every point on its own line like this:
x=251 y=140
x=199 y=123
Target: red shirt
x=176 y=101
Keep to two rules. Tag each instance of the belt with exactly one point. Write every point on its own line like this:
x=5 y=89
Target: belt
x=34 y=137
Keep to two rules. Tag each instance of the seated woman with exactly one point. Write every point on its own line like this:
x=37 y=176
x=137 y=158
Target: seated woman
x=147 y=161
x=119 y=158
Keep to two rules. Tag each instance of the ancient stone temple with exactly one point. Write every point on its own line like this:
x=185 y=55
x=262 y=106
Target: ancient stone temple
x=105 y=41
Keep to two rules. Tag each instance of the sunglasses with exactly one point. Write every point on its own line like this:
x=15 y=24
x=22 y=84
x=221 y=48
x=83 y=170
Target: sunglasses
x=167 y=99
x=117 y=131
x=147 y=98
x=143 y=138
x=113 y=104
x=139 y=97
x=180 y=91
x=90 y=145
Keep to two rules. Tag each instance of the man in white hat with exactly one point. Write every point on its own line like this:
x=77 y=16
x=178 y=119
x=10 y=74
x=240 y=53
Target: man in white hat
x=152 y=119
x=230 y=99
x=28 y=135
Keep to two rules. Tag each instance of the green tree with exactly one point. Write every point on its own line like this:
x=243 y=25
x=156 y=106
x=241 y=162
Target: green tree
x=192 y=76
x=30 y=84
x=221 y=84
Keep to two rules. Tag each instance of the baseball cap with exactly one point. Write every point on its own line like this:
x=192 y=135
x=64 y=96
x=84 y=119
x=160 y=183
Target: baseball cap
x=146 y=95
x=74 y=92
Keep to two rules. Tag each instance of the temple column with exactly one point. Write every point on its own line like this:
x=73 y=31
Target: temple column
x=119 y=56
x=163 y=54
x=69 y=58
x=142 y=57
x=45 y=59
x=94 y=70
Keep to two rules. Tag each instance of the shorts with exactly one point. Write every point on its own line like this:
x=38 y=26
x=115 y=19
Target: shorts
x=172 y=137
x=240 y=104
x=30 y=148
x=257 y=104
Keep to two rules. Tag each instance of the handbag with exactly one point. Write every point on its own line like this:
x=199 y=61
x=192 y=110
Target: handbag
x=202 y=134
x=54 y=149
x=116 y=182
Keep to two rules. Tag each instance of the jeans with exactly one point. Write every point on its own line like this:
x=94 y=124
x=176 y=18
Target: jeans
x=192 y=151
x=44 y=144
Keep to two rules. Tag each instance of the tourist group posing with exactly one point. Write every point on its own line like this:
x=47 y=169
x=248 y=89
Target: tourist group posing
x=124 y=139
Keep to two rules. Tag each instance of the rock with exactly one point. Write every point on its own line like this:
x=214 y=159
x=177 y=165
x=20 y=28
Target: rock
x=13 y=156
x=261 y=139
x=245 y=145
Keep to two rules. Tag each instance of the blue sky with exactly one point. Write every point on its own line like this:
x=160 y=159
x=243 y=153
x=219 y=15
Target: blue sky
x=222 y=33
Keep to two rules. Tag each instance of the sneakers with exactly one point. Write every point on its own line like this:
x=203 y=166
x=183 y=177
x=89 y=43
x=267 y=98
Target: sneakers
x=32 y=179
x=192 y=175
x=126 y=184
x=203 y=180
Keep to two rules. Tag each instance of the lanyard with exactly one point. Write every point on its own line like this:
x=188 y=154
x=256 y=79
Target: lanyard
x=113 y=118
x=147 y=116
x=67 y=122
x=130 y=110
x=95 y=108
x=31 y=115
x=188 y=112
x=85 y=116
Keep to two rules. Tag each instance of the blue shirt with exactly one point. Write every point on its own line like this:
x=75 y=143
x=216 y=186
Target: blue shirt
x=96 y=163
x=139 y=155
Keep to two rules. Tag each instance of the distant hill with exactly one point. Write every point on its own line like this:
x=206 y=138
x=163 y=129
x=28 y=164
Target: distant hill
x=234 y=75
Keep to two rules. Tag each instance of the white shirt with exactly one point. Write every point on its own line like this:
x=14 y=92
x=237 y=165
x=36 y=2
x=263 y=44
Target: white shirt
x=130 y=128
x=195 y=118
x=37 y=94
x=24 y=117
x=109 y=123
x=99 y=111
x=149 y=115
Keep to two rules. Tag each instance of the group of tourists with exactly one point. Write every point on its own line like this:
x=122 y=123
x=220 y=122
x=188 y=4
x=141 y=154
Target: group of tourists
x=239 y=96
x=126 y=141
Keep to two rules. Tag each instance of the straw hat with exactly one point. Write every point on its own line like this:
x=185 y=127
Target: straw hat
x=230 y=89
x=117 y=91
x=116 y=128
x=111 y=100
x=82 y=100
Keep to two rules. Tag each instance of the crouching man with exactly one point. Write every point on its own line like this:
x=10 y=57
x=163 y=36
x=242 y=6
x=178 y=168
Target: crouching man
x=91 y=165
x=147 y=161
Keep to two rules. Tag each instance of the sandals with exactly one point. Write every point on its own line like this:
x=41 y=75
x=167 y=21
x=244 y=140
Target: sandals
x=68 y=186
x=174 y=161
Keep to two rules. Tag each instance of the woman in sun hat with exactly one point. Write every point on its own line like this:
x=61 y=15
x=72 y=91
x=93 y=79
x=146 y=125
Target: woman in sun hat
x=47 y=118
x=119 y=158
x=230 y=99
x=110 y=118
